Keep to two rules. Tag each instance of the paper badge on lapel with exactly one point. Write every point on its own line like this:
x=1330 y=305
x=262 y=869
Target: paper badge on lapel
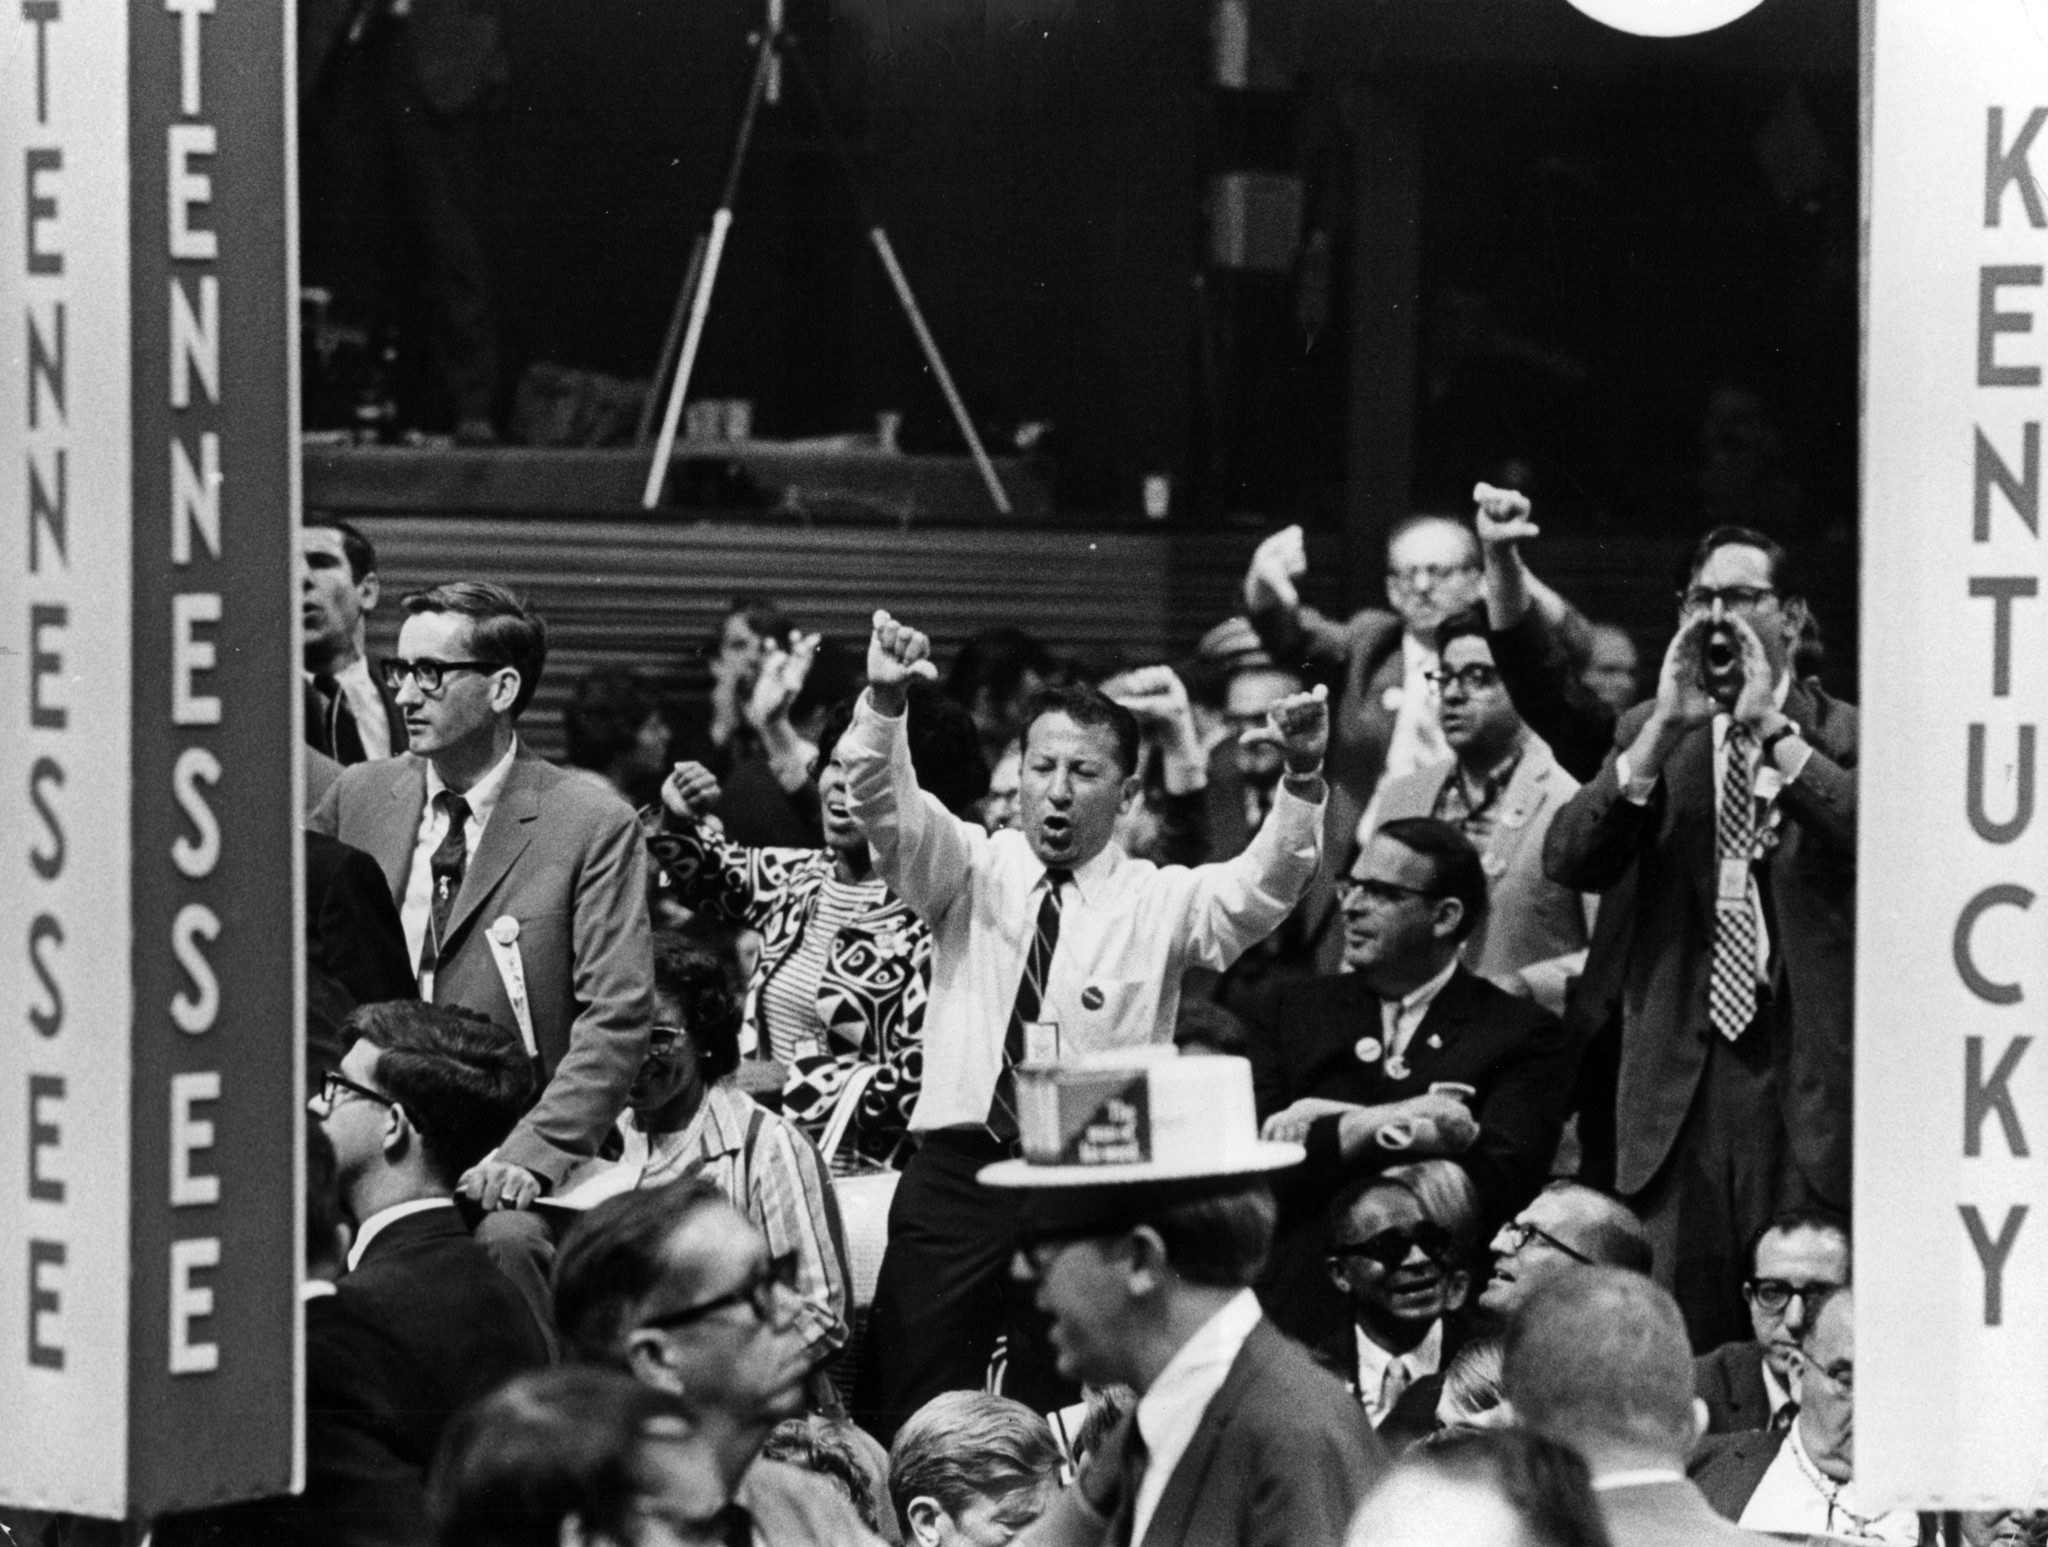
x=1367 y=1049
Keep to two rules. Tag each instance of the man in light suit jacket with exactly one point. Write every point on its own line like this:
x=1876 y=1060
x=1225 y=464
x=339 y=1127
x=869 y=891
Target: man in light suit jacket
x=1501 y=787
x=522 y=889
x=1732 y=797
x=1141 y=1252
x=1350 y=1065
x=1597 y=1359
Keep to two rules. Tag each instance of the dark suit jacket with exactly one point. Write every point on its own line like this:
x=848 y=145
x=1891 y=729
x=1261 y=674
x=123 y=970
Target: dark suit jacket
x=1809 y=886
x=352 y=930
x=1281 y=1458
x=1730 y=1380
x=422 y=1328
x=323 y=718
x=1304 y=1039
x=1727 y=1467
x=1414 y=1413
x=1669 y=1514
x=563 y=858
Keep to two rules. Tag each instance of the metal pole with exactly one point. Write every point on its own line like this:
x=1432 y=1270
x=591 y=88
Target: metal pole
x=684 y=294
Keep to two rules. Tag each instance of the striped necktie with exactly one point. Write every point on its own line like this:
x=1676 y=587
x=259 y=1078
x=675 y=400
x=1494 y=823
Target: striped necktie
x=1002 y=1107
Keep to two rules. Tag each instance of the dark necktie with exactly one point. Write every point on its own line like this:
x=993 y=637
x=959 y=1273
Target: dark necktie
x=1782 y=1419
x=1731 y=981
x=1130 y=1478
x=1002 y=1107
x=446 y=864
x=344 y=741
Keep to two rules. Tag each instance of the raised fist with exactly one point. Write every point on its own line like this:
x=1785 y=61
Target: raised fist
x=1299 y=725
x=1503 y=516
x=1276 y=565
x=691 y=791
x=896 y=653
x=782 y=676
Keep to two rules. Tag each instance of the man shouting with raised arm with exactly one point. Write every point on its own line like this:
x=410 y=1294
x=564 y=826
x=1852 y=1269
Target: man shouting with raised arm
x=1048 y=943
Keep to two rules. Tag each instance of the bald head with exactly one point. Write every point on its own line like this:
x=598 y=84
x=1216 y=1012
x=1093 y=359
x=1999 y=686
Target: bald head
x=1598 y=1358
x=1565 y=1226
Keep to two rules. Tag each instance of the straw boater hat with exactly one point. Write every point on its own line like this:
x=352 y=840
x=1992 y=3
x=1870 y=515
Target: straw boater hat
x=1139 y=1116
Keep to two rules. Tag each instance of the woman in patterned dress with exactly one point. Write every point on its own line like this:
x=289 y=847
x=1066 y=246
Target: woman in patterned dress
x=845 y=966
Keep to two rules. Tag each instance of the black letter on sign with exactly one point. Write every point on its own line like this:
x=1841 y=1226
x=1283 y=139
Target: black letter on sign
x=2023 y=800
x=49 y=771
x=1993 y=1254
x=1991 y=322
x=43 y=1302
x=2024 y=491
x=1982 y=1097
x=44 y=663
x=2008 y=164
x=2007 y=896
x=2002 y=590
x=43 y=1136
x=51 y=1021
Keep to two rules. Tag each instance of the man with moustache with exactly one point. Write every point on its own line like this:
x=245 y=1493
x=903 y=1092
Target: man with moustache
x=1731 y=798
x=1408 y=1054
x=1047 y=943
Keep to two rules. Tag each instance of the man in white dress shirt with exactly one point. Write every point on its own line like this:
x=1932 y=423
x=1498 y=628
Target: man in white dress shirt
x=1049 y=942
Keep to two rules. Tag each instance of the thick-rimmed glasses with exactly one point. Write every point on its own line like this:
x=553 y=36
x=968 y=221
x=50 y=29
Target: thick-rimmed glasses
x=1774 y=1294
x=763 y=1292
x=1520 y=1233
x=1378 y=894
x=1476 y=678
x=1390 y=1248
x=1735 y=598
x=334 y=1084
x=428 y=672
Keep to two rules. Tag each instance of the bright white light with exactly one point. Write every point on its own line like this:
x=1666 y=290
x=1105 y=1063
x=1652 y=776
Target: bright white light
x=1665 y=18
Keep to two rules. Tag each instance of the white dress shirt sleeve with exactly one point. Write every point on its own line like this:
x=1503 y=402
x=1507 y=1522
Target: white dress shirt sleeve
x=921 y=849
x=1238 y=902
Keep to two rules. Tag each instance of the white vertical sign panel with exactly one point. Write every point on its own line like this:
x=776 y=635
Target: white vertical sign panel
x=1952 y=930
x=65 y=1013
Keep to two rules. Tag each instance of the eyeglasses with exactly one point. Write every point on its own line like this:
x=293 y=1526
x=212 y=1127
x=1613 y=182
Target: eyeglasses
x=1774 y=1294
x=428 y=672
x=1520 y=1232
x=1380 y=894
x=1476 y=678
x=333 y=1085
x=762 y=1291
x=1842 y=1377
x=1390 y=1248
x=1037 y=1248
x=665 y=1044
x=1414 y=576
x=1735 y=598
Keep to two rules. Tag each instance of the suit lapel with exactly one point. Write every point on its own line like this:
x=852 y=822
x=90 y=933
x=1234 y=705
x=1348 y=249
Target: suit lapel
x=393 y=839
x=1441 y=1023
x=1172 y=1520
x=505 y=838
x=1689 y=776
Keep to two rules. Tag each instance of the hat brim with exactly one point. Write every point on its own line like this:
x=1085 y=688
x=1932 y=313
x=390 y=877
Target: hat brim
x=1264 y=1156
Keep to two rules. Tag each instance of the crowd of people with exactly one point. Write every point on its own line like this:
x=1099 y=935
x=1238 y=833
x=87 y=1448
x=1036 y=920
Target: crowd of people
x=1381 y=1080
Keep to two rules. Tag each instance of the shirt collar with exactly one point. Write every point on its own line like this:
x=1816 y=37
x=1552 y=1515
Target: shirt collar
x=315 y=1289
x=1091 y=877
x=482 y=795
x=1199 y=1365
x=1425 y=1358
x=1775 y=1390
x=1637 y=1477
x=1415 y=655
x=1418 y=999
x=374 y=1225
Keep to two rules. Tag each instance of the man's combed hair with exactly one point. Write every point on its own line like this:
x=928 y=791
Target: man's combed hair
x=463 y=1079
x=355 y=547
x=1455 y=869
x=1812 y=1216
x=1089 y=708
x=963 y=1446
x=1466 y=622
x=1220 y=1240
x=1547 y=1485
x=1784 y=572
x=550 y=1445
x=614 y=1257
x=503 y=631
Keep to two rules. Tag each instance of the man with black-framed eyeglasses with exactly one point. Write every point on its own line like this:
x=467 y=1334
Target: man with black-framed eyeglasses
x=522 y=890
x=1729 y=804
x=677 y=1288
x=1795 y=1263
x=1564 y=1227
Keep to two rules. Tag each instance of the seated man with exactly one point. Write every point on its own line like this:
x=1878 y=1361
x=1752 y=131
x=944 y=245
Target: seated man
x=1564 y=1226
x=1597 y=1359
x=1798 y=1260
x=1047 y=943
x=1500 y=788
x=1404 y=1275
x=685 y=1117
x=677 y=1288
x=1407 y=1055
x=1800 y=1480
x=971 y=1469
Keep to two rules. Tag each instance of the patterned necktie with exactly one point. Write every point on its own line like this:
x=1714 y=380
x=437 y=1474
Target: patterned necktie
x=1731 y=987
x=1002 y=1106
x=446 y=864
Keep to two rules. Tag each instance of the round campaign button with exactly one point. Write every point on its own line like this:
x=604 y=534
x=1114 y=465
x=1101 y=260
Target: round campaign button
x=1091 y=998
x=1367 y=1049
x=504 y=929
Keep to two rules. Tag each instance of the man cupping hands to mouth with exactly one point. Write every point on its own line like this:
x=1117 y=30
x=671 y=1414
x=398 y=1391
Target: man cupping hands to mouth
x=1048 y=943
